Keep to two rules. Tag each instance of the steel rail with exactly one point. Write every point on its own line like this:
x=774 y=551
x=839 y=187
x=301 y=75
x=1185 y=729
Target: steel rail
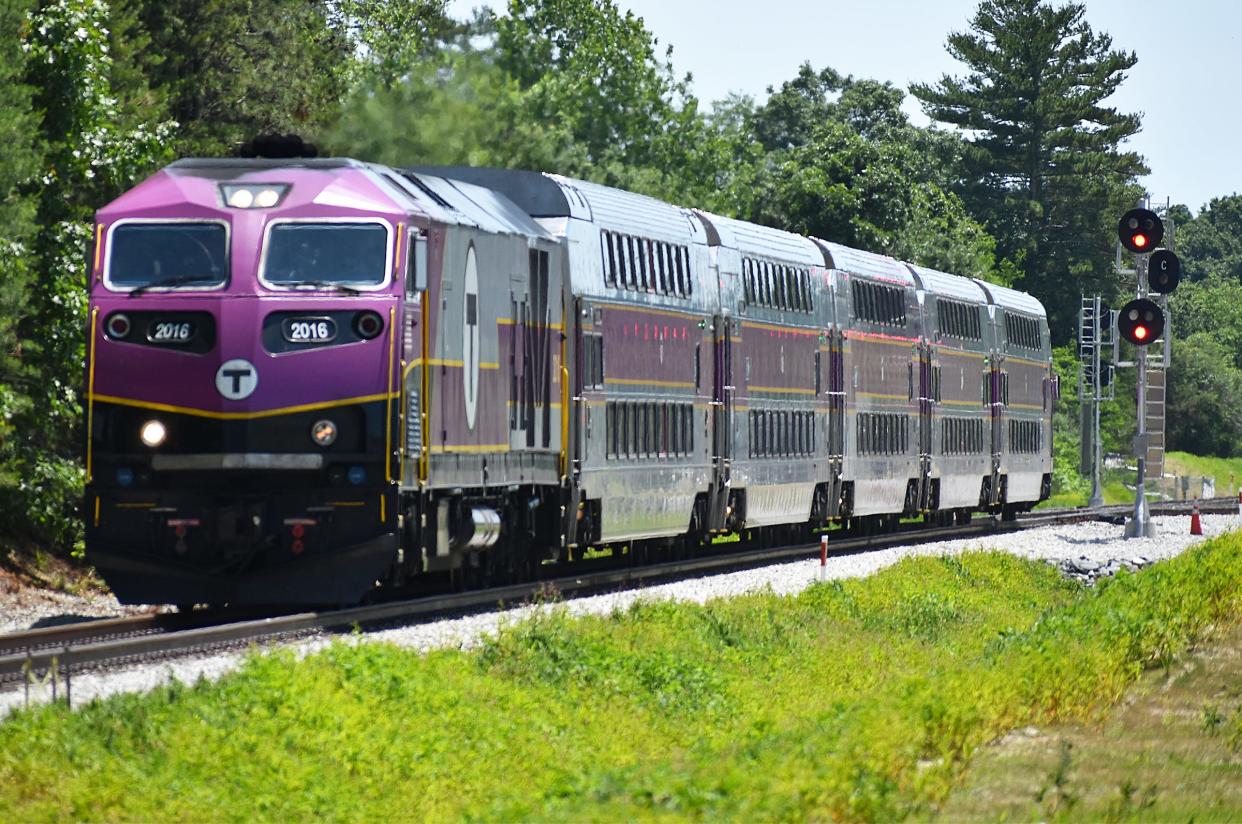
x=45 y=650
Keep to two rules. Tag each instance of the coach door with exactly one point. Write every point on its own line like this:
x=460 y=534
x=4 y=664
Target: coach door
x=996 y=400
x=722 y=418
x=927 y=394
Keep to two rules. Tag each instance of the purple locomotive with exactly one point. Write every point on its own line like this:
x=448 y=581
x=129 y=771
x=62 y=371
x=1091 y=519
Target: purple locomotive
x=309 y=377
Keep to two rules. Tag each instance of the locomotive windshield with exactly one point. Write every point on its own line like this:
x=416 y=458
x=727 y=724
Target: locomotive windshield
x=326 y=254
x=154 y=255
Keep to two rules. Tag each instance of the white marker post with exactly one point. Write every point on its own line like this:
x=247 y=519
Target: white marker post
x=823 y=552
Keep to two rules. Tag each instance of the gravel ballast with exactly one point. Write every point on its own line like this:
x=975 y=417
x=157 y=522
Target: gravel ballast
x=1085 y=551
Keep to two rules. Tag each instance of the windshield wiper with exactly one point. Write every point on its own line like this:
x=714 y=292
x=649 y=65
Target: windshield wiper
x=319 y=284
x=183 y=280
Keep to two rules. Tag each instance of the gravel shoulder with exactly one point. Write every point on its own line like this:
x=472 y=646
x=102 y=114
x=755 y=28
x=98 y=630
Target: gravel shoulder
x=1093 y=542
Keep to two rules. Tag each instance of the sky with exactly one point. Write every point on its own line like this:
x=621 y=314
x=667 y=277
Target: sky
x=1188 y=57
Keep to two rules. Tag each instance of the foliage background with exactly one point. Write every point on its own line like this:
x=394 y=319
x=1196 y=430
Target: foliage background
x=100 y=94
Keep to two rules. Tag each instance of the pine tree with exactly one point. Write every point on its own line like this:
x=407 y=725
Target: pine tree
x=1047 y=172
x=230 y=69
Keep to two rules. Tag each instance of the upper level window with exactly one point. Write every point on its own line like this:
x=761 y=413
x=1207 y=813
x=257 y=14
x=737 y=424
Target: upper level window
x=644 y=265
x=310 y=255
x=776 y=285
x=168 y=255
x=1022 y=331
x=959 y=320
x=878 y=303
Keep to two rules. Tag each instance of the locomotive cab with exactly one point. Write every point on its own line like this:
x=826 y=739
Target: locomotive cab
x=241 y=366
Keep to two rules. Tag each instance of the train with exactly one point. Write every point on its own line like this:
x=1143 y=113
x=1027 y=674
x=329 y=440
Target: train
x=308 y=378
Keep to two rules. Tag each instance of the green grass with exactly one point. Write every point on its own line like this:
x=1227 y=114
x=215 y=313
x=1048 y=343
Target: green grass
x=1222 y=469
x=860 y=700
x=1171 y=751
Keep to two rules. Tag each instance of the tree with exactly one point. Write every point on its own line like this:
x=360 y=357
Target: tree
x=390 y=37
x=1046 y=171
x=591 y=73
x=230 y=69
x=19 y=135
x=1205 y=398
x=1210 y=245
x=86 y=159
x=844 y=163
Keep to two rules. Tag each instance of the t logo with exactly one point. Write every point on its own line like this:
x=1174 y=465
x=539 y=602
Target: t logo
x=470 y=338
x=237 y=379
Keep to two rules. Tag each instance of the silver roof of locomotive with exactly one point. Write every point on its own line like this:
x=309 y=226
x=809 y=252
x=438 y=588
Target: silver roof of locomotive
x=459 y=202
x=543 y=195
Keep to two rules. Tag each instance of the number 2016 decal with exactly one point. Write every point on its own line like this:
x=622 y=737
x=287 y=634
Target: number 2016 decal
x=309 y=330
x=170 y=331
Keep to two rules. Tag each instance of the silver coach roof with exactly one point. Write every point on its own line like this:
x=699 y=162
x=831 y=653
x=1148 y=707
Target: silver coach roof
x=867 y=264
x=631 y=213
x=948 y=285
x=753 y=239
x=1007 y=298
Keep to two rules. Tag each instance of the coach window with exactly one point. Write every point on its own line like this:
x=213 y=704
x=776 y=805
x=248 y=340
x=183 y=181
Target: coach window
x=650 y=435
x=626 y=422
x=636 y=430
x=653 y=266
x=661 y=412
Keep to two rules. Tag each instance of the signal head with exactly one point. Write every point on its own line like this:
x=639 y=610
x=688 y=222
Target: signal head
x=1164 y=271
x=1140 y=230
x=1140 y=321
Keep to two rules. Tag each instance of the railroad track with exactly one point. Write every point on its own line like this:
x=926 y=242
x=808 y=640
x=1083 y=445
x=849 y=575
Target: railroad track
x=63 y=650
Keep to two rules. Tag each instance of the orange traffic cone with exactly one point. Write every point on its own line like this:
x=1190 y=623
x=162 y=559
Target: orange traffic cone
x=1196 y=528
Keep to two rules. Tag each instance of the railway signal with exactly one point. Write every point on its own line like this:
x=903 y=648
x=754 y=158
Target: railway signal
x=1140 y=321
x=1140 y=230
x=1164 y=271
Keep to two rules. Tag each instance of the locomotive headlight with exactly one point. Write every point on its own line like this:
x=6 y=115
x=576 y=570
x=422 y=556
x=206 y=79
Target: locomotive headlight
x=241 y=198
x=323 y=433
x=253 y=195
x=153 y=433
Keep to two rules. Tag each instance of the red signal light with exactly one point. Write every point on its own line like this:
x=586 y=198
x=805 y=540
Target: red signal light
x=1140 y=332
x=1140 y=240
